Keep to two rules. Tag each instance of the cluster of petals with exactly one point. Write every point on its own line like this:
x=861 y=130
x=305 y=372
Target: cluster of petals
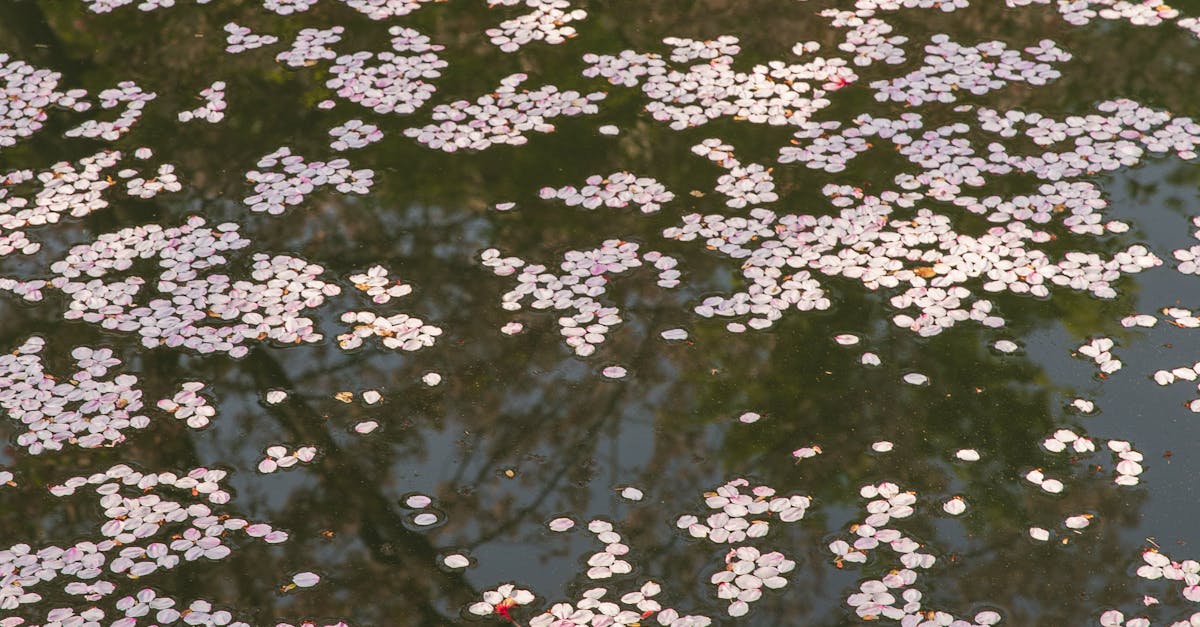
x=310 y=46
x=385 y=9
x=895 y=596
x=747 y=572
x=590 y=609
x=75 y=189
x=1127 y=461
x=781 y=257
x=275 y=191
x=25 y=94
x=279 y=457
x=153 y=522
x=1189 y=258
x=1116 y=618
x=1186 y=372
x=164 y=181
x=213 y=109
x=287 y=7
x=105 y=6
x=865 y=10
x=548 y=21
x=499 y=601
x=378 y=286
x=1118 y=135
x=189 y=405
x=1137 y=13
x=584 y=277
x=397 y=332
x=608 y=562
x=147 y=604
x=616 y=190
x=743 y=185
x=1191 y=25
x=945 y=6
x=887 y=502
x=871 y=40
x=1099 y=350
x=951 y=67
x=1159 y=566
x=394 y=82
x=1078 y=203
x=593 y=610
x=504 y=116
x=90 y=408
x=194 y=308
x=1129 y=465
x=166 y=610
x=1062 y=439
x=354 y=134
x=819 y=147
x=684 y=49
x=775 y=93
x=1181 y=317
x=241 y=38
x=127 y=92
x=743 y=515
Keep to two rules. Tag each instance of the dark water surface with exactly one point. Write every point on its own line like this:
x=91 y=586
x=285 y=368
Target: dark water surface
x=520 y=430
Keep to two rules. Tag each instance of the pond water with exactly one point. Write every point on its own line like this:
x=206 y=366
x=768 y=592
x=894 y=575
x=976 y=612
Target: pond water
x=569 y=312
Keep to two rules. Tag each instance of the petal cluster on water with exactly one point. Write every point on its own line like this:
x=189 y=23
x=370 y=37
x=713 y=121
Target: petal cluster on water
x=616 y=190
x=777 y=93
x=284 y=179
x=1099 y=350
x=747 y=572
x=126 y=92
x=198 y=309
x=503 y=116
x=390 y=82
x=241 y=38
x=310 y=46
x=189 y=405
x=547 y=20
x=584 y=277
x=279 y=457
x=213 y=109
x=89 y=408
x=154 y=522
x=951 y=67
x=25 y=94
x=743 y=515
